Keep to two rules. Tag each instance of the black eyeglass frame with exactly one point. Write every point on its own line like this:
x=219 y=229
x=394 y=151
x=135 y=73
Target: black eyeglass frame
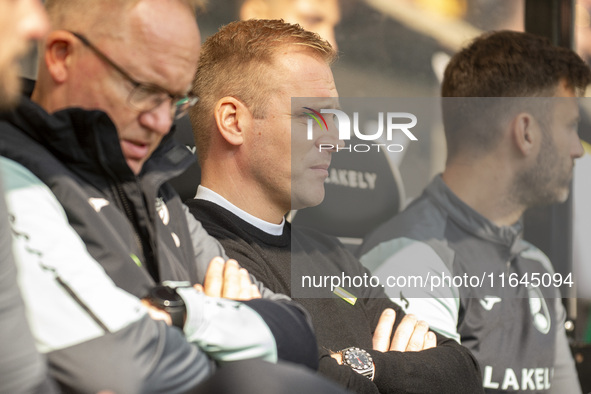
x=180 y=104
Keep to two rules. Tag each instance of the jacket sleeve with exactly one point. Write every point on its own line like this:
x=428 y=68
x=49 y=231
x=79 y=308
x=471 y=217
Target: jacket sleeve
x=22 y=368
x=451 y=367
x=229 y=330
x=565 y=378
x=94 y=335
x=438 y=305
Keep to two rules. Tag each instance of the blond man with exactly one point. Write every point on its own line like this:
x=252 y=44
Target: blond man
x=257 y=165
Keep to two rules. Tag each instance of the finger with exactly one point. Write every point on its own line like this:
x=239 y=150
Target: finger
x=245 y=289
x=157 y=314
x=338 y=357
x=383 y=332
x=430 y=341
x=254 y=292
x=213 y=281
x=403 y=333
x=231 y=287
x=198 y=287
x=417 y=339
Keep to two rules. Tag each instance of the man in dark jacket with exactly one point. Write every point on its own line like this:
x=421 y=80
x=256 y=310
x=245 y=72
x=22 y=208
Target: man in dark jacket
x=510 y=115
x=85 y=165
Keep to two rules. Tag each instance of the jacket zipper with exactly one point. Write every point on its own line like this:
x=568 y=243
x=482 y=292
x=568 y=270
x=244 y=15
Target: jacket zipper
x=129 y=214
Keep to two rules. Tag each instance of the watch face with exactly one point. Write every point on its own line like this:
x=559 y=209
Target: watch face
x=357 y=358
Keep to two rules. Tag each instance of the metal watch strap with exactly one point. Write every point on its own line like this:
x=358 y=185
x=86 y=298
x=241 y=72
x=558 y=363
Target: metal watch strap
x=368 y=373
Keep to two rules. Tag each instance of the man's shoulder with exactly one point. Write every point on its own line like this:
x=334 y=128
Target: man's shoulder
x=27 y=137
x=195 y=206
x=12 y=127
x=310 y=240
x=311 y=236
x=313 y=249
x=421 y=221
x=532 y=252
x=213 y=217
x=230 y=230
x=15 y=175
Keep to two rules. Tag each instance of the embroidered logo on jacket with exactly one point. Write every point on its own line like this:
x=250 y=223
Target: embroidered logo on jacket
x=162 y=210
x=539 y=310
x=488 y=302
x=176 y=239
x=98 y=203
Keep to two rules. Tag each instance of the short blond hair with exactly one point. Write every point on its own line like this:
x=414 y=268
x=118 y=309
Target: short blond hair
x=235 y=62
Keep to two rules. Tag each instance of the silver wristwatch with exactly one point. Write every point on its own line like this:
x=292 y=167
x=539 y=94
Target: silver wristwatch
x=359 y=360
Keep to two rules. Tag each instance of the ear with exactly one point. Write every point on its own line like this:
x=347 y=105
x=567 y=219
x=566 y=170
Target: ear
x=254 y=9
x=233 y=119
x=58 y=52
x=526 y=133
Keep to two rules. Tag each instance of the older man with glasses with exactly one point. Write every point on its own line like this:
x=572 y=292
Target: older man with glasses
x=145 y=97
x=102 y=242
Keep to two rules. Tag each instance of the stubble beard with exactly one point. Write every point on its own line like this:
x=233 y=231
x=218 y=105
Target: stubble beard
x=547 y=181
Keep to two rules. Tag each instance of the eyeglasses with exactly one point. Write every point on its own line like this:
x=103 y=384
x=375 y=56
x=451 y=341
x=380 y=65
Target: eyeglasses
x=145 y=97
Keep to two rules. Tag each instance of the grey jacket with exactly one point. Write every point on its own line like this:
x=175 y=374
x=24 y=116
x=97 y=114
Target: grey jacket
x=480 y=284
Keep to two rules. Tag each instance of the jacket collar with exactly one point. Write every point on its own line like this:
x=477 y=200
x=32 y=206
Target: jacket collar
x=472 y=221
x=88 y=139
